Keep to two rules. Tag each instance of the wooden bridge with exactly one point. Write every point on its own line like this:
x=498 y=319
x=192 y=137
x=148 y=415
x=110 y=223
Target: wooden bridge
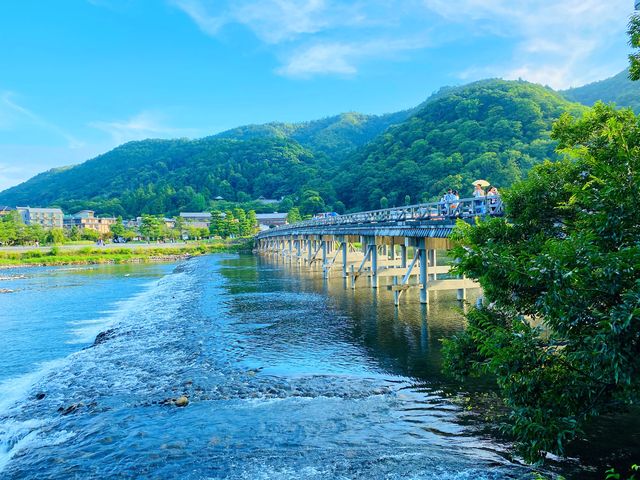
x=396 y=247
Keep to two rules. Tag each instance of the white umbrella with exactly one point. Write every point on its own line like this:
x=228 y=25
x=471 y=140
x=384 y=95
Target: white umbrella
x=482 y=183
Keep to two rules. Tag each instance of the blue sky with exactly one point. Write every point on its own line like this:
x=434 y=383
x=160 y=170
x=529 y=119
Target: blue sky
x=78 y=77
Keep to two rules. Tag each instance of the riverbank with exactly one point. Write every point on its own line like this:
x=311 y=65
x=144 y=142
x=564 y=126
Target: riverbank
x=126 y=253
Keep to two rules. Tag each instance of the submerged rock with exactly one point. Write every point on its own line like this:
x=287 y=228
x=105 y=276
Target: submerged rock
x=70 y=409
x=40 y=395
x=104 y=336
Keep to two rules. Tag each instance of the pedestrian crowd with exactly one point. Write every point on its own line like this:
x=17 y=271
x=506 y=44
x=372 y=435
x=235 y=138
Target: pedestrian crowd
x=485 y=201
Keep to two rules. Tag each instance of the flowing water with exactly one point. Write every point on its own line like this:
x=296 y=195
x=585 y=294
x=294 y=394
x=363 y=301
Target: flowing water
x=288 y=376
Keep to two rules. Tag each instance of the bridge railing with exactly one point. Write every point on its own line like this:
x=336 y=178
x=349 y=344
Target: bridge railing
x=462 y=208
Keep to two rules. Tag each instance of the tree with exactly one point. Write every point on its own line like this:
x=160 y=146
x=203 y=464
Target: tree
x=117 y=229
x=634 y=41
x=251 y=223
x=294 y=215
x=56 y=236
x=90 y=234
x=312 y=203
x=151 y=227
x=9 y=225
x=216 y=227
x=561 y=275
x=74 y=233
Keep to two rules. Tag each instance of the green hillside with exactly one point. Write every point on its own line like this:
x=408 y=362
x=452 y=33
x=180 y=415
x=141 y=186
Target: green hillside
x=619 y=89
x=165 y=176
x=334 y=136
x=492 y=129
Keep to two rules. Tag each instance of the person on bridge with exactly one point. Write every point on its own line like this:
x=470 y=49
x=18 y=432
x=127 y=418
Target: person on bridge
x=445 y=201
x=493 y=198
x=478 y=205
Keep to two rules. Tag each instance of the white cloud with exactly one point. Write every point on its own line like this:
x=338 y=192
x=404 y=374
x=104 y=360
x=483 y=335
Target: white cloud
x=273 y=21
x=553 y=42
x=556 y=42
x=314 y=37
x=201 y=15
x=141 y=126
x=342 y=58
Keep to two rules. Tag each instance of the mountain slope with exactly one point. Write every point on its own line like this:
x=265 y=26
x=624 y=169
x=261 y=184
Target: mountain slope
x=333 y=136
x=165 y=176
x=618 y=89
x=492 y=129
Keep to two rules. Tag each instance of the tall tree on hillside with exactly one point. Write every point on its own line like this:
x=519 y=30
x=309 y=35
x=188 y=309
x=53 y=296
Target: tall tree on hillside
x=634 y=41
x=251 y=223
x=216 y=226
x=312 y=203
x=294 y=215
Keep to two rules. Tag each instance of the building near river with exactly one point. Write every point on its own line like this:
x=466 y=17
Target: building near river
x=46 y=217
x=270 y=220
x=196 y=219
x=86 y=220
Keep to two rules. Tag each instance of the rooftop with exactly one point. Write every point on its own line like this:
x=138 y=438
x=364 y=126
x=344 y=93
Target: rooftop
x=271 y=216
x=195 y=214
x=40 y=210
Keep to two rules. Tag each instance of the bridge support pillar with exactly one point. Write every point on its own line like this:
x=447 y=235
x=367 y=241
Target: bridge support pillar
x=432 y=263
x=343 y=247
x=424 y=282
x=325 y=263
x=374 y=264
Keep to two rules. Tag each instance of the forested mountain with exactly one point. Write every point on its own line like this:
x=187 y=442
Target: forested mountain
x=619 y=89
x=334 y=136
x=492 y=129
x=165 y=176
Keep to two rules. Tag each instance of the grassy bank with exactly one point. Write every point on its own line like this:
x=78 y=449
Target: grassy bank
x=124 y=254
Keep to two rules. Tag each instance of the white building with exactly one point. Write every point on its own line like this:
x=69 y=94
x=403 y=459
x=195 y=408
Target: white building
x=47 y=217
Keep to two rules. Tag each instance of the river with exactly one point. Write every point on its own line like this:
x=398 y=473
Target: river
x=288 y=377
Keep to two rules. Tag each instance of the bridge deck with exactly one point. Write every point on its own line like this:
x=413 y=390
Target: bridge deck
x=426 y=220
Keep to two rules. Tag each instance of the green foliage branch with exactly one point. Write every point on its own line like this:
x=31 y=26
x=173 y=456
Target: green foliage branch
x=561 y=275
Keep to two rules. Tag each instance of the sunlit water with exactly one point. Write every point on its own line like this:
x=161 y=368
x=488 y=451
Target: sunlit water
x=288 y=376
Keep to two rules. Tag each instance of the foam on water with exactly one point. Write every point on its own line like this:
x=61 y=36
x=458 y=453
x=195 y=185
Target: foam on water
x=13 y=390
x=277 y=390
x=18 y=431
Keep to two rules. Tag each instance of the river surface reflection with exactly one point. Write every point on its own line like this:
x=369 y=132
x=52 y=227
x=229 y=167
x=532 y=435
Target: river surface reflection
x=288 y=376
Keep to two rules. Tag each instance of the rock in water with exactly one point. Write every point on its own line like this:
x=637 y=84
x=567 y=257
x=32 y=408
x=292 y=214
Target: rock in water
x=104 y=336
x=182 y=401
